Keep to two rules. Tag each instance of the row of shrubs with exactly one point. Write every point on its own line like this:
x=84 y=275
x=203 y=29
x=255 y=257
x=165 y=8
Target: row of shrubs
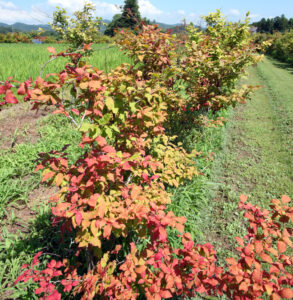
x=281 y=45
x=112 y=202
x=29 y=38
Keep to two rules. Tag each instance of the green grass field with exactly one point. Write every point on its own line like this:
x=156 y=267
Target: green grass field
x=17 y=59
x=251 y=156
x=255 y=157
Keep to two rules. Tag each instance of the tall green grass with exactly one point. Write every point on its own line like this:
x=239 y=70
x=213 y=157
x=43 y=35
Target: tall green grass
x=22 y=61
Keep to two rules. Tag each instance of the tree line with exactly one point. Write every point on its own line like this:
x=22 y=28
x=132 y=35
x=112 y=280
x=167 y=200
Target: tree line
x=270 y=25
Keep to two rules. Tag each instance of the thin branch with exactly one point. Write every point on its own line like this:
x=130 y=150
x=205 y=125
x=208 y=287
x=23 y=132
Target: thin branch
x=46 y=63
x=82 y=120
x=74 y=122
x=128 y=179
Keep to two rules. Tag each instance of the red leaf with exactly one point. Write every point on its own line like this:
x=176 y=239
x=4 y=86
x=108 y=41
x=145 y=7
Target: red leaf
x=101 y=141
x=10 y=98
x=78 y=218
x=21 y=90
x=76 y=111
x=165 y=294
x=2 y=89
x=54 y=296
x=162 y=234
x=108 y=149
x=35 y=259
x=126 y=166
x=39 y=290
x=286 y=293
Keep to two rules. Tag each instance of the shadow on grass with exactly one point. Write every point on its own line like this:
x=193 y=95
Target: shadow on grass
x=282 y=65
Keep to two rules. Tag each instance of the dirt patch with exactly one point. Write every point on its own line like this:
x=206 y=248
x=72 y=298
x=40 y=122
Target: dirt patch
x=23 y=214
x=18 y=125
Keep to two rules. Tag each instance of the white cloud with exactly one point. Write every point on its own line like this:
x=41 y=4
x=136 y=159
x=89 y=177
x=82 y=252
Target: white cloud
x=43 y=10
x=147 y=9
x=7 y=5
x=181 y=12
x=10 y=13
x=234 y=12
x=68 y=4
x=103 y=9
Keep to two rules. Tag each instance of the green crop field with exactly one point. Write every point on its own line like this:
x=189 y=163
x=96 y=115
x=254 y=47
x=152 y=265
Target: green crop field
x=24 y=60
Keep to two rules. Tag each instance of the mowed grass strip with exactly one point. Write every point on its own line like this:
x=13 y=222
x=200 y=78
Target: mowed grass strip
x=22 y=61
x=256 y=159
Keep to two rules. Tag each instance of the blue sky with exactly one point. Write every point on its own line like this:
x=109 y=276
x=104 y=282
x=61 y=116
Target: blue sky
x=167 y=11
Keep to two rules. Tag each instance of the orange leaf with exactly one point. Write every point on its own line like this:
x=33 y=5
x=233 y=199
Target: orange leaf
x=258 y=247
x=52 y=50
x=243 y=198
x=269 y=289
x=249 y=261
x=285 y=199
x=266 y=258
x=240 y=241
x=275 y=297
x=165 y=294
x=281 y=246
x=140 y=269
x=78 y=218
x=231 y=261
x=101 y=208
x=107 y=231
x=243 y=286
x=48 y=175
x=286 y=293
x=59 y=179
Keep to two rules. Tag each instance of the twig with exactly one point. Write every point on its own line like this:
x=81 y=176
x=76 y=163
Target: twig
x=74 y=122
x=46 y=63
x=128 y=179
x=82 y=120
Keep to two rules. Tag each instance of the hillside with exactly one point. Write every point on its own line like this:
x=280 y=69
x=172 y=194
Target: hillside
x=22 y=27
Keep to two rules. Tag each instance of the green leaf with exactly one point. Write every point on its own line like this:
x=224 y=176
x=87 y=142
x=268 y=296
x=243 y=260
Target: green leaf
x=109 y=103
x=133 y=107
x=105 y=120
x=109 y=132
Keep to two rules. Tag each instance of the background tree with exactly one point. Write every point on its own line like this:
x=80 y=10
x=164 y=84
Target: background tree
x=130 y=18
x=279 y=23
x=82 y=29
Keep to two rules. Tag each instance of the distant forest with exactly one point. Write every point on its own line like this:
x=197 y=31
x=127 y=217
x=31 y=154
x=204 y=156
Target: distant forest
x=270 y=25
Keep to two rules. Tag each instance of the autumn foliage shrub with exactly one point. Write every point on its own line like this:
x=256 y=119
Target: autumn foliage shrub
x=113 y=198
